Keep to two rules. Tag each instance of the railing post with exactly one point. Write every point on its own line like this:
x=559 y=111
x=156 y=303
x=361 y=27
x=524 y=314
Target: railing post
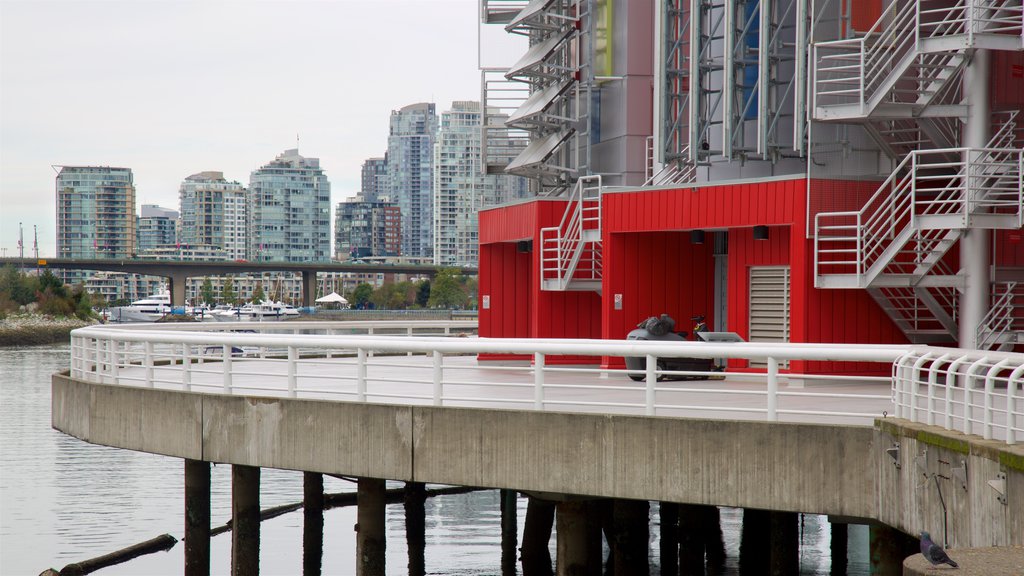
x=652 y=378
x=969 y=392
x=186 y=367
x=860 y=247
x=538 y=381
x=408 y=332
x=1011 y=404
x=98 y=360
x=226 y=360
x=951 y=377
x=773 y=389
x=114 y=349
x=933 y=376
x=915 y=385
x=990 y=389
x=438 y=375
x=148 y=361
x=361 y=375
x=292 y=368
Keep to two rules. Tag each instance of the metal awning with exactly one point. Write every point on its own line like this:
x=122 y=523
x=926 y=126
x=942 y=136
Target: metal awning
x=532 y=9
x=538 y=151
x=537 y=103
x=537 y=54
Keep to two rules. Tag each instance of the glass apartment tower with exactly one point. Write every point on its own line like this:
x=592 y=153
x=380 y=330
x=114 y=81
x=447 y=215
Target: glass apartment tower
x=375 y=180
x=213 y=213
x=461 y=189
x=95 y=212
x=410 y=174
x=289 y=211
x=364 y=229
x=157 y=228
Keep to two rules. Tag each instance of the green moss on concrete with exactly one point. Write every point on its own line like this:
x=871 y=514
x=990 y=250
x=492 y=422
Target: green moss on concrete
x=1012 y=461
x=946 y=442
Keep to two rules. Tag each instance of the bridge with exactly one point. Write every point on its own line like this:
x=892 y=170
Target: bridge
x=922 y=439
x=178 y=272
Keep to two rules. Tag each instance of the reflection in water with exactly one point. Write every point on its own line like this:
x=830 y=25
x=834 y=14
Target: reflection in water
x=63 y=500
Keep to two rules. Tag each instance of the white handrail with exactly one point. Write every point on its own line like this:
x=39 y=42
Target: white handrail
x=360 y=367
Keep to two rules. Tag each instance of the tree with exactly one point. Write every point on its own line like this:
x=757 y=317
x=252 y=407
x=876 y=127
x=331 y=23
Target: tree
x=446 y=291
x=17 y=286
x=423 y=294
x=361 y=295
x=206 y=293
x=257 y=294
x=227 y=292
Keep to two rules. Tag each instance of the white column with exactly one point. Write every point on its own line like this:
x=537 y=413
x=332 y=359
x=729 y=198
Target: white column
x=974 y=249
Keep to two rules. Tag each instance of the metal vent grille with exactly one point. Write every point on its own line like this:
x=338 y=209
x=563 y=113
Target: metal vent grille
x=769 y=306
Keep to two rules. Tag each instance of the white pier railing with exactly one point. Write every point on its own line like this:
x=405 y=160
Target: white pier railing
x=435 y=363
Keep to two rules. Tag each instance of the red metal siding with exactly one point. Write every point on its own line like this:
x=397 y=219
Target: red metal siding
x=1007 y=81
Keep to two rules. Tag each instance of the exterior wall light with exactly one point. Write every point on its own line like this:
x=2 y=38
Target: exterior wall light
x=696 y=236
x=760 y=232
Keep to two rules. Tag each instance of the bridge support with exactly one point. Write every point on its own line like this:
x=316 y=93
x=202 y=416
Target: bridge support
x=579 y=538
x=889 y=547
x=313 y=523
x=197 y=518
x=785 y=543
x=839 y=548
x=370 y=542
x=177 y=282
x=416 y=526
x=245 y=519
x=628 y=534
x=509 y=526
x=308 y=288
x=668 y=517
x=540 y=515
x=755 y=552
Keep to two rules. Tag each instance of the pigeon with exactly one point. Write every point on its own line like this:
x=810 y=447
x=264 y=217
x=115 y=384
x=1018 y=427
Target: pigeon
x=934 y=553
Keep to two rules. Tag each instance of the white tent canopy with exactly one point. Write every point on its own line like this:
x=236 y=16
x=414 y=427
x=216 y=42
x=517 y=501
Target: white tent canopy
x=332 y=298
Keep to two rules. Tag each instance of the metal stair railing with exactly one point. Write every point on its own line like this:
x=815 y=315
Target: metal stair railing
x=927 y=196
x=674 y=172
x=871 y=69
x=1005 y=318
x=572 y=250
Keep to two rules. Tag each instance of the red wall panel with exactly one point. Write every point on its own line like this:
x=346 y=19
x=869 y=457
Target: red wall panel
x=1007 y=86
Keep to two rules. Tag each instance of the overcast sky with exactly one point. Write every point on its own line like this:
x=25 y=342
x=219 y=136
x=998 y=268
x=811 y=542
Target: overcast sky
x=170 y=88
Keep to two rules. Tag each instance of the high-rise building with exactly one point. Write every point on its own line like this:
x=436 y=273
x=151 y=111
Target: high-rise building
x=364 y=228
x=460 y=187
x=95 y=212
x=157 y=227
x=410 y=174
x=289 y=211
x=375 y=180
x=213 y=213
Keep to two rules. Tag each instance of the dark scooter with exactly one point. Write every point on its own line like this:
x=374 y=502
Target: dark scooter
x=661 y=329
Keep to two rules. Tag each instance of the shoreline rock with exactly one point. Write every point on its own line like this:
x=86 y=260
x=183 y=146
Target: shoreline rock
x=37 y=329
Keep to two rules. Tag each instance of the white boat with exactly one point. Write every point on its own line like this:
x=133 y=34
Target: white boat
x=149 y=309
x=265 y=311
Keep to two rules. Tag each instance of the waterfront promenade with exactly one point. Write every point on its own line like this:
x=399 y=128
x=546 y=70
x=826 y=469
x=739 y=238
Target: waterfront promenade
x=421 y=408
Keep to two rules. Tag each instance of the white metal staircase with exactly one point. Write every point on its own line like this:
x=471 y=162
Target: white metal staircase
x=902 y=80
x=570 y=253
x=909 y=63
x=895 y=245
x=1003 y=326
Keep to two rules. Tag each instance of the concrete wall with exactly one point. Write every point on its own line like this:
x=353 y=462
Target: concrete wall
x=750 y=464
x=909 y=495
x=822 y=469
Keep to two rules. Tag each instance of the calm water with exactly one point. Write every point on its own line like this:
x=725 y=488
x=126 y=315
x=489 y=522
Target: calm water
x=63 y=500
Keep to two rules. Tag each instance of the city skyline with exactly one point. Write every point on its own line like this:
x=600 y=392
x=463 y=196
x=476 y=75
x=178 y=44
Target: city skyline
x=167 y=110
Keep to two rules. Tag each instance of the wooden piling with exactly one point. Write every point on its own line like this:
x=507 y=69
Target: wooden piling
x=313 y=523
x=370 y=541
x=416 y=527
x=245 y=516
x=197 y=518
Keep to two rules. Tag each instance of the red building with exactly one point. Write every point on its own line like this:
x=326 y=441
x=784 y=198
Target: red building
x=815 y=200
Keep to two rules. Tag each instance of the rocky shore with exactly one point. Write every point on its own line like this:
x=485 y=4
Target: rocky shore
x=31 y=329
